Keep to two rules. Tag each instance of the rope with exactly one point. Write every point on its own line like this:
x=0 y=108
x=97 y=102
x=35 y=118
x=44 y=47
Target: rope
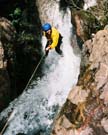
x=4 y=128
x=34 y=72
x=13 y=112
x=7 y=122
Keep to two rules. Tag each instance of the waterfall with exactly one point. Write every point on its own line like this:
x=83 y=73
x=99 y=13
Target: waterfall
x=36 y=108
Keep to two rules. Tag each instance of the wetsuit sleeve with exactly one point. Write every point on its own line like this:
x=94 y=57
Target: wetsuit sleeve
x=55 y=39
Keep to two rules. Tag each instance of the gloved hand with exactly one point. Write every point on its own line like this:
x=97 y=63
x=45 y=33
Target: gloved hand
x=47 y=49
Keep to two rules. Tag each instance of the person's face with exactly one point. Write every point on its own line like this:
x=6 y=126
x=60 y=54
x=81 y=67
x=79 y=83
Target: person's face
x=48 y=32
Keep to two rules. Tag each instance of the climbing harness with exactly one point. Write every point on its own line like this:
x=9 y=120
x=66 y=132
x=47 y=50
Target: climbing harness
x=34 y=71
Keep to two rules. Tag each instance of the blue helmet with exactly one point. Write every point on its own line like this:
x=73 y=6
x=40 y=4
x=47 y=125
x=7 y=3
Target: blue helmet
x=46 y=27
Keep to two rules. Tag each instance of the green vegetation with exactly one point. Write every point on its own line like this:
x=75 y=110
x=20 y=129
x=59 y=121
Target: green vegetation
x=100 y=11
x=16 y=16
x=24 y=50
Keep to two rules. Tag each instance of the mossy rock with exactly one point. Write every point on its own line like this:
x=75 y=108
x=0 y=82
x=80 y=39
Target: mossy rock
x=89 y=23
x=100 y=11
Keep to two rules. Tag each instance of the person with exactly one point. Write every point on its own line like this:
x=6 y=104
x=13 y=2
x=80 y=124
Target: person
x=54 y=38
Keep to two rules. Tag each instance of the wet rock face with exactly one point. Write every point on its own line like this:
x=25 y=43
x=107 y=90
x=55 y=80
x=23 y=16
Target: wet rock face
x=85 y=24
x=20 y=43
x=6 y=32
x=86 y=109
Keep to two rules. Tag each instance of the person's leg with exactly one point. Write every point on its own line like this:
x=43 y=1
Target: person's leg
x=58 y=50
x=46 y=52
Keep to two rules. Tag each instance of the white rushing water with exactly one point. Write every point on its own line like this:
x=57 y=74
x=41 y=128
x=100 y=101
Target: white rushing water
x=36 y=107
x=89 y=3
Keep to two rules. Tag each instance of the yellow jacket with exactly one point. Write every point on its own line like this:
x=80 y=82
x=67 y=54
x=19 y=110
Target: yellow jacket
x=54 y=37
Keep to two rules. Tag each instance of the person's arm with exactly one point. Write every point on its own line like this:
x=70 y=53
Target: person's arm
x=55 y=38
x=55 y=41
x=48 y=48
